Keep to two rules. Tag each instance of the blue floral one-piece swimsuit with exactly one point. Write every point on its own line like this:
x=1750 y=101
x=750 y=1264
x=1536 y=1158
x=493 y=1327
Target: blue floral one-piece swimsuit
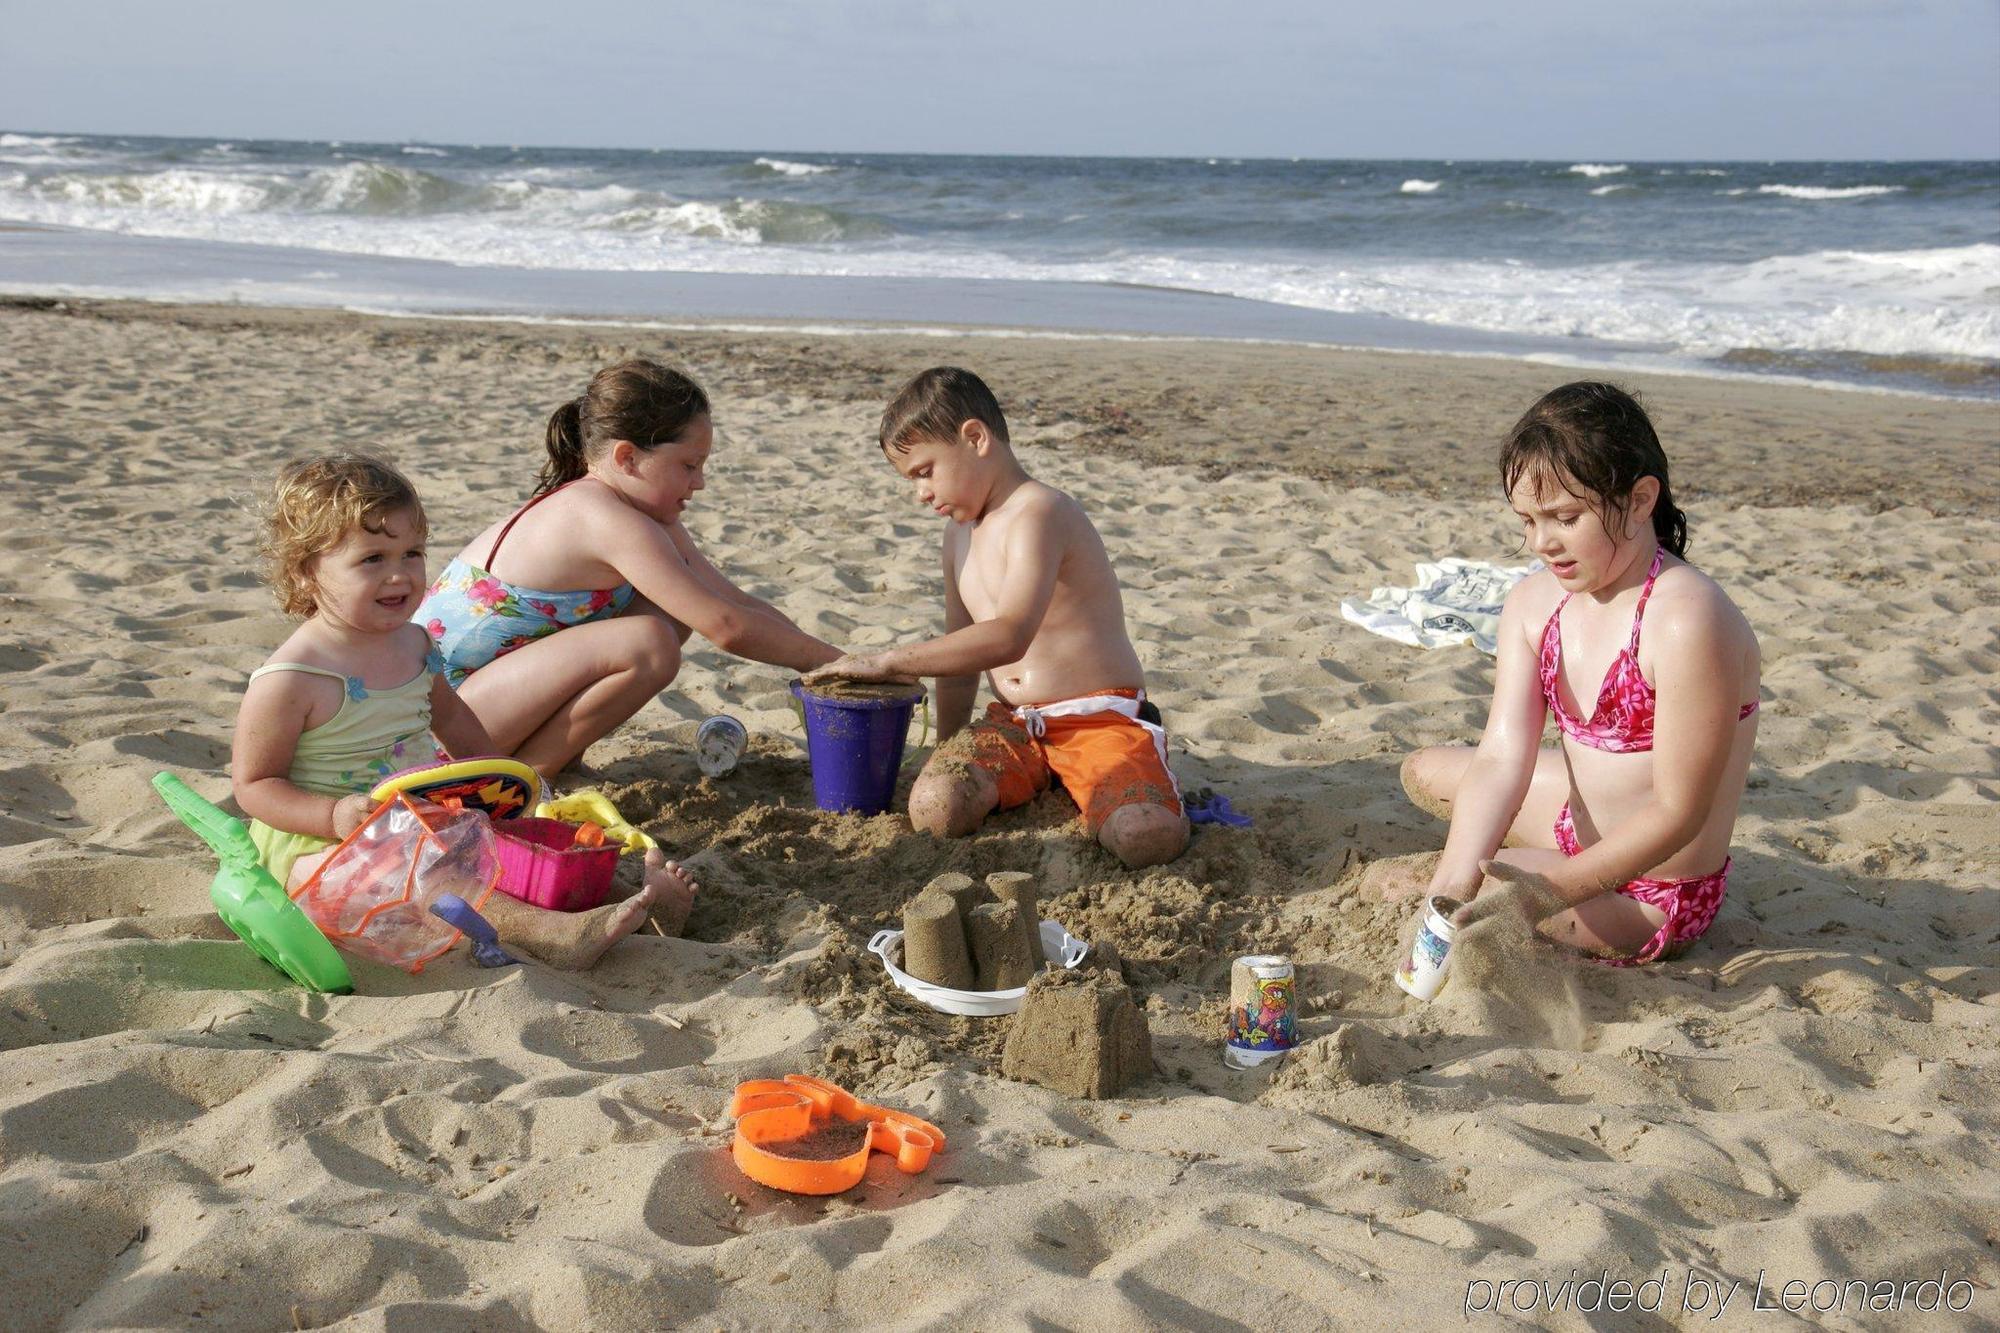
x=474 y=617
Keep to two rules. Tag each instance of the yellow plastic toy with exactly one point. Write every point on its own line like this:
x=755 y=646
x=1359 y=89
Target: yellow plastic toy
x=591 y=806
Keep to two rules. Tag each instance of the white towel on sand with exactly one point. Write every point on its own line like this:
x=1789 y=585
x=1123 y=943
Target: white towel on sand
x=1454 y=601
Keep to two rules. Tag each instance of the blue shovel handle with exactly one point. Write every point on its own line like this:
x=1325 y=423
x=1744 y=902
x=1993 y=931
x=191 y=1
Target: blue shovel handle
x=486 y=951
x=1212 y=807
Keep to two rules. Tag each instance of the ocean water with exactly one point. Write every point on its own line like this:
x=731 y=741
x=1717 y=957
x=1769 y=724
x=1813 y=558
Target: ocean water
x=1871 y=273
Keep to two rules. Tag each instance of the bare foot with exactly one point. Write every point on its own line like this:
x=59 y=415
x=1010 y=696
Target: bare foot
x=673 y=891
x=569 y=940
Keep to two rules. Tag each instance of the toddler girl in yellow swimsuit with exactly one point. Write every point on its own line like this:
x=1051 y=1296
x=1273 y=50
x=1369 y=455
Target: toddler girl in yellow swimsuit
x=356 y=693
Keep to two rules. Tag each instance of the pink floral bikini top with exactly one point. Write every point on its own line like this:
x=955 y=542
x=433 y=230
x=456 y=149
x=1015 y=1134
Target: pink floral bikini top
x=1622 y=721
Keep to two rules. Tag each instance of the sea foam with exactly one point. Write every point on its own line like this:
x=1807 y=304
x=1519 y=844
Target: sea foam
x=781 y=167
x=1822 y=191
x=1503 y=258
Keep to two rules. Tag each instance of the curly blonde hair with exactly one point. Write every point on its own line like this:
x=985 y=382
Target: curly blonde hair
x=314 y=506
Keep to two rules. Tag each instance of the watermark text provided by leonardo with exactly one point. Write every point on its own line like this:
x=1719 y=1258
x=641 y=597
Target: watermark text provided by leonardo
x=1712 y=1295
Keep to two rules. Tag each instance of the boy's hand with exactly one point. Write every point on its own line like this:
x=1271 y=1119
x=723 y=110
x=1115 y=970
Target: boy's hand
x=853 y=667
x=350 y=813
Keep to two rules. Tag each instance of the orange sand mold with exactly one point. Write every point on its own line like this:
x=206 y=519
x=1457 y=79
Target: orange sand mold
x=775 y=1117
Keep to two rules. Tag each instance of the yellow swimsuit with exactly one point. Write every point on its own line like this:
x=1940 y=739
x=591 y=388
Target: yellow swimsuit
x=375 y=733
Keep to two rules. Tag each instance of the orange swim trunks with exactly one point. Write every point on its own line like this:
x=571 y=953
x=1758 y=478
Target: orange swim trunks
x=1105 y=759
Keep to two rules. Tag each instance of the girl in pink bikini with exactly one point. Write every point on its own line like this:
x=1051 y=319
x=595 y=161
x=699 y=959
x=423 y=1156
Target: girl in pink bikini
x=558 y=622
x=1617 y=838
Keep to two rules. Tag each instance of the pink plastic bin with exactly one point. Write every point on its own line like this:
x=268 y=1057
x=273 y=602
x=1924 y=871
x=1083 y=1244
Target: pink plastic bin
x=540 y=864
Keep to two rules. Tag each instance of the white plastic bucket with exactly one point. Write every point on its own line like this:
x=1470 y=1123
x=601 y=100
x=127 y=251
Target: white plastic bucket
x=1058 y=946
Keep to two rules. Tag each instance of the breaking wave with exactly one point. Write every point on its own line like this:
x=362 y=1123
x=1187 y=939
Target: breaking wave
x=222 y=205
x=780 y=167
x=1822 y=191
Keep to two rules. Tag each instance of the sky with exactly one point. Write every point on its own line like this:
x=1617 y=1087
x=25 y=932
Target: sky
x=1615 y=79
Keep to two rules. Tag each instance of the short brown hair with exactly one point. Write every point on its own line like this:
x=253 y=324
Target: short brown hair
x=935 y=404
x=313 y=507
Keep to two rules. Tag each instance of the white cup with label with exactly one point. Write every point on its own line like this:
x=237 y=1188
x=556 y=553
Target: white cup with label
x=1423 y=969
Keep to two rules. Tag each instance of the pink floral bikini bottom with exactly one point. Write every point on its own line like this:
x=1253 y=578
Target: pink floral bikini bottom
x=1690 y=904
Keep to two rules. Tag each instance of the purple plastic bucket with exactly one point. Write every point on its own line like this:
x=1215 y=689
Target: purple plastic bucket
x=856 y=748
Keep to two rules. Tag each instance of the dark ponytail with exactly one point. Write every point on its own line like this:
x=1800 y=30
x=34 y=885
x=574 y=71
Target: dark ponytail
x=1670 y=523
x=637 y=400
x=1597 y=436
x=565 y=444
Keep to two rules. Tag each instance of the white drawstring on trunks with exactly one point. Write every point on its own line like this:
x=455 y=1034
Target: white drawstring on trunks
x=1031 y=717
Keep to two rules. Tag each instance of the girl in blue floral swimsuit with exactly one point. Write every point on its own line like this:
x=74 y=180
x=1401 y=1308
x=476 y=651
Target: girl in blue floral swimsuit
x=475 y=617
x=559 y=622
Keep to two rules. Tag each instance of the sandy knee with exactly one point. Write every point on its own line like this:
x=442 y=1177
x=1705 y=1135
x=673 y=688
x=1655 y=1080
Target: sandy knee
x=949 y=801
x=1427 y=779
x=930 y=809
x=1419 y=769
x=1144 y=835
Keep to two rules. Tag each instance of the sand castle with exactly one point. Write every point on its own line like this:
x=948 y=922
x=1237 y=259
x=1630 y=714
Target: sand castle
x=1079 y=1033
x=1076 y=1032
x=967 y=936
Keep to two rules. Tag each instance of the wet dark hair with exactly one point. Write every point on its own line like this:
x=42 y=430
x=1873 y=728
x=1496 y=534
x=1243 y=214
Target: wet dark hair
x=1597 y=436
x=935 y=404
x=637 y=400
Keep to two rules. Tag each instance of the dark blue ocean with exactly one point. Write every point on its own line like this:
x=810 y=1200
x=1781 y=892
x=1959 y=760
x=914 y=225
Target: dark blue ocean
x=1883 y=273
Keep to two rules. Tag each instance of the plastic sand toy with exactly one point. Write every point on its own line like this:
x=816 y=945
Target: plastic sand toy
x=591 y=806
x=1205 y=805
x=486 y=950
x=500 y=788
x=804 y=1135
x=854 y=741
x=252 y=903
x=1058 y=947
x=554 y=864
x=718 y=743
x=373 y=893
x=555 y=858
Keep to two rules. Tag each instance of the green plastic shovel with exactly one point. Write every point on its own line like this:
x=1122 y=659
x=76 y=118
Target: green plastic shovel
x=250 y=901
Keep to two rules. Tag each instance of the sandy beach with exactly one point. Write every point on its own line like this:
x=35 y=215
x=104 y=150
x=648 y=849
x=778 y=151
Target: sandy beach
x=187 y=1138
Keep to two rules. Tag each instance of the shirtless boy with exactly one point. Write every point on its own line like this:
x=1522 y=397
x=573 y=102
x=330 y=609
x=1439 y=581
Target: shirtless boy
x=1032 y=601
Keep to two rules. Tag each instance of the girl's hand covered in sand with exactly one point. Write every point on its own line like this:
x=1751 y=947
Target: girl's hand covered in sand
x=350 y=813
x=853 y=667
x=1465 y=888
x=1509 y=888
